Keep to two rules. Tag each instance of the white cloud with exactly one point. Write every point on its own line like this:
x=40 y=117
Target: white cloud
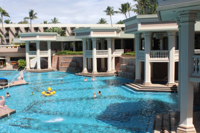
x=67 y=11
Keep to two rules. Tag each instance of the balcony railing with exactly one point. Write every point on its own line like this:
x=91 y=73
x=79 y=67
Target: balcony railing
x=159 y=54
x=42 y=53
x=9 y=46
x=196 y=72
x=102 y=52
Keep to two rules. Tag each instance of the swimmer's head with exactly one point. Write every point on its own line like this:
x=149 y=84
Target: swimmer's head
x=7 y=93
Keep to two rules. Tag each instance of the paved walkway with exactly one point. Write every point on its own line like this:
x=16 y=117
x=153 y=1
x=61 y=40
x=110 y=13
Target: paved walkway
x=100 y=74
x=151 y=88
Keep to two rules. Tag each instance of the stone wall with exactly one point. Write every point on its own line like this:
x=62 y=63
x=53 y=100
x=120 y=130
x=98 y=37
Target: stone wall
x=127 y=67
x=68 y=63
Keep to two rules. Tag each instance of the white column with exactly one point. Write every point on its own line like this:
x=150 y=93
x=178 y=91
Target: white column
x=7 y=60
x=122 y=44
x=161 y=44
x=179 y=65
x=84 y=56
x=113 y=57
x=171 y=63
x=137 y=62
x=38 y=54
x=94 y=44
x=27 y=56
x=49 y=54
x=62 y=46
x=89 y=59
x=74 y=46
x=187 y=19
x=109 y=55
x=147 y=64
x=102 y=59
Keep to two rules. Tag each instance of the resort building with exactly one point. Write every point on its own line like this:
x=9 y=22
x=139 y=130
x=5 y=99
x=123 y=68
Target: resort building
x=186 y=14
x=156 y=47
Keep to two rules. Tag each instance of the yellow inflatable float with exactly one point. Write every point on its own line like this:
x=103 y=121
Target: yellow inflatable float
x=50 y=92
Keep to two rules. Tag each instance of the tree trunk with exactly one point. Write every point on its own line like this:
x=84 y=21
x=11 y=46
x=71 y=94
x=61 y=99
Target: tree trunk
x=111 y=20
x=125 y=15
x=129 y=14
x=2 y=24
x=30 y=24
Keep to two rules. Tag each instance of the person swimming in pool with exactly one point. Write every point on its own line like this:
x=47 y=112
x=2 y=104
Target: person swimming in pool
x=7 y=94
x=32 y=93
x=93 y=78
x=61 y=81
x=94 y=95
x=99 y=93
x=85 y=79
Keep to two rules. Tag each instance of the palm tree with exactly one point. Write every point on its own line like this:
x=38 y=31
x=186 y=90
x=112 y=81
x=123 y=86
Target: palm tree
x=110 y=11
x=102 y=21
x=0 y=20
x=120 y=22
x=45 y=22
x=32 y=16
x=129 y=8
x=3 y=13
x=7 y=21
x=54 y=21
x=123 y=9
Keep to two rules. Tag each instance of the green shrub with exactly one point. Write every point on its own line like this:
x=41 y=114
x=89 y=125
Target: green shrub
x=21 y=63
x=4 y=64
x=66 y=52
x=129 y=53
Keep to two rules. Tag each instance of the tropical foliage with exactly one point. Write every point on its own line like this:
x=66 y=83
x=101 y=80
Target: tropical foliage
x=123 y=9
x=23 y=22
x=102 y=21
x=45 y=22
x=56 y=29
x=32 y=16
x=7 y=21
x=54 y=21
x=129 y=53
x=145 y=7
x=120 y=22
x=110 y=11
x=3 y=13
x=21 y=63
x=66 y=52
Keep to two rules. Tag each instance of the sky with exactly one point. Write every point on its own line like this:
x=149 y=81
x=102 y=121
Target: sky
x=67 y=11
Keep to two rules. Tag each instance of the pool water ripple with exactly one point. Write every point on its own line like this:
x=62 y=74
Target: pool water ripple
x=73 y=109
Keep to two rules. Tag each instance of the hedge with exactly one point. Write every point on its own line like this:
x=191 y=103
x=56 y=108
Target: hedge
x=21 y=63
x=66 y=52
x=129 y=53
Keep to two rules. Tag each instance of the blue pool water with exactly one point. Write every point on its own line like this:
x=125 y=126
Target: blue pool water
x=72 y=108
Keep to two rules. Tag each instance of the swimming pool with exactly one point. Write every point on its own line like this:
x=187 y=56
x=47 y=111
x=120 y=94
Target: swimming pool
x=73 y=109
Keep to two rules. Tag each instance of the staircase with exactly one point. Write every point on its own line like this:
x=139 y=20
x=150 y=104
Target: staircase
x=69 y=64
x=169 y=121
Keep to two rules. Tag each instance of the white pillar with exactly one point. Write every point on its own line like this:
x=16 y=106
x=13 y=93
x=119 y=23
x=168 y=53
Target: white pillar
x=27 y=56
x=187 y=19
x=89 y=59
x=113 y=57
x=161 y=44
x=102 y=59
x=38 y=54
x=62 y=46
x=179 y=65
x=171 y=63
x=137 y=62
x=7 y=60
x=49 y=54
x=122 y=44
x=109 y=55
x=84 y=56
x=147 y=64
x=94 y=44
x=74 y=46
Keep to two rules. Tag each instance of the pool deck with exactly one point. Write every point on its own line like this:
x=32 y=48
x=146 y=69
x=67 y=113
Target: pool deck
x=1 y=87
x=151 y=88
x=99 y=74
x=40 y=70
x=9 y=113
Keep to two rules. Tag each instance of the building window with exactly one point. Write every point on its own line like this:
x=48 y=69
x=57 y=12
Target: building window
x=16 y=58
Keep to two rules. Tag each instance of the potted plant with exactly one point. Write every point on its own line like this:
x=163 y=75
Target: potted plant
x=4 y=64
x=22 y=45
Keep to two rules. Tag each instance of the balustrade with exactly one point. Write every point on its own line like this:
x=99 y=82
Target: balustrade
x=196 y=72
x=102 y=52
x=159 y=54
